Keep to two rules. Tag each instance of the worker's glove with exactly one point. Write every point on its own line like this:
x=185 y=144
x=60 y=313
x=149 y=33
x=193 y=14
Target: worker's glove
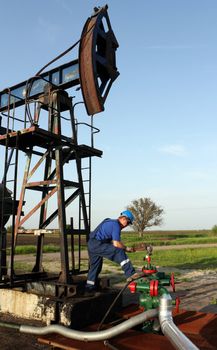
x=130 y=249
x=149 y=249
x=135 y=276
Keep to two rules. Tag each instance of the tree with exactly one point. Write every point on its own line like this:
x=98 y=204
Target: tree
x=214 y=230
x=146 y=214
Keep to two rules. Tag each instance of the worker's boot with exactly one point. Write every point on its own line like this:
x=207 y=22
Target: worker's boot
x=90 y=292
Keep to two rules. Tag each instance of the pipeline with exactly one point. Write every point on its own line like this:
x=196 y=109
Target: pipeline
x=91 y=336
x=168 y=327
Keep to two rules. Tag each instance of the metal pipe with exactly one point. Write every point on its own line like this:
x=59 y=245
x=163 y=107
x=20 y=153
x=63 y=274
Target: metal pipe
x=168 y=327
x=9 y=325
x=91 y=336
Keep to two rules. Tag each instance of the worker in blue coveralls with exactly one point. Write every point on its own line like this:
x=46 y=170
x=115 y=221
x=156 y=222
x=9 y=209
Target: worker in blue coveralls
x=105 y=242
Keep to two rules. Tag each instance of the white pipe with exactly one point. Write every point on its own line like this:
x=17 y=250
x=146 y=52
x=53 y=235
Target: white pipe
x=168 y=327
x=91 y=336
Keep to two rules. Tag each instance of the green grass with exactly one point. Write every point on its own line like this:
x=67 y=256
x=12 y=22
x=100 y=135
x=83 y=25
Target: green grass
x=213 y=301
x=156 y=238
x=177 y=241
x=31 y=249
x=189 y=258
x=186 y=258
x=161 y=238
x=22 y=267
x=199 y=258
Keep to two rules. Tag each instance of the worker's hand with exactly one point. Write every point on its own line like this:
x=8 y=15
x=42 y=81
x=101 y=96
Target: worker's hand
x=130 y=249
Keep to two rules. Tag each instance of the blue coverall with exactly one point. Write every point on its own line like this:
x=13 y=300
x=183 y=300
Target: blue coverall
x=100 y=246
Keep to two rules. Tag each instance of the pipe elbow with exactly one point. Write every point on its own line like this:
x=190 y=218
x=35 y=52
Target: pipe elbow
x=165 y=311
x=168 y=327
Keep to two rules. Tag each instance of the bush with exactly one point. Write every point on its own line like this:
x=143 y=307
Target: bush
x=214 y=230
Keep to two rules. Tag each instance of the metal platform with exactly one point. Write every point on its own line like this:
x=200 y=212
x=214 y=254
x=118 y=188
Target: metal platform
x=35 y=136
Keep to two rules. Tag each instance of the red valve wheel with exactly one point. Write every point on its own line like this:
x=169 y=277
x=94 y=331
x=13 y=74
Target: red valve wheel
x=154 y=288
x=172 y=282
x=132 y=287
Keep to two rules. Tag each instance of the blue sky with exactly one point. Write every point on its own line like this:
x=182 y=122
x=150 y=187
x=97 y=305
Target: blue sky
x=158 y=131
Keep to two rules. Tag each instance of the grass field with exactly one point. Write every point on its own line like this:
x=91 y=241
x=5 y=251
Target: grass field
x=27 y=243
x=161 y=238
x=186 y=258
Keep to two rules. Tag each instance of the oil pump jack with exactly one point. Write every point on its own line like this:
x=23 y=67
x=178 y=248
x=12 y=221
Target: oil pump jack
x=38 y=122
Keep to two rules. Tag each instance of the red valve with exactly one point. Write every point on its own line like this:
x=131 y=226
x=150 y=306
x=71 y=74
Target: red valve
x=172 y=282
x=132 y=287
x=154 y=288
x=148 y=258
x=148 y=269
x=148 y=272
x=178 y=301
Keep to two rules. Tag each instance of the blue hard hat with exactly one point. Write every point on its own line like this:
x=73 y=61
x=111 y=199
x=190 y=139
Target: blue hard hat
x=128 y=215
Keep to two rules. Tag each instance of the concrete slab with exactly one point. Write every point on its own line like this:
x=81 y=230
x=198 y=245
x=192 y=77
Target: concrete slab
x=76 y=312
x=27 y=305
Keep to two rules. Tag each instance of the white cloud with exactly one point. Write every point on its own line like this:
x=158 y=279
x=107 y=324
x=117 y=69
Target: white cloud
x=174 y=150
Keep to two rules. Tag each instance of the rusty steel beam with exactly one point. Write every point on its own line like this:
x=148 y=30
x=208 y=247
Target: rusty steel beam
x=64 y=77
x=56 y=128
x=43 y=157
x=22 y=195
x=27 y=216
x=40 y=183
x=55 y=213
x=95 y=69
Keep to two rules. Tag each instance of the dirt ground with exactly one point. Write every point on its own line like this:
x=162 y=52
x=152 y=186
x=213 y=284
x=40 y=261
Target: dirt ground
x=197 y=290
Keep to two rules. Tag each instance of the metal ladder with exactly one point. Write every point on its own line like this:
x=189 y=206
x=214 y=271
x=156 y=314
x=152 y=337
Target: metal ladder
x=86 y=174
